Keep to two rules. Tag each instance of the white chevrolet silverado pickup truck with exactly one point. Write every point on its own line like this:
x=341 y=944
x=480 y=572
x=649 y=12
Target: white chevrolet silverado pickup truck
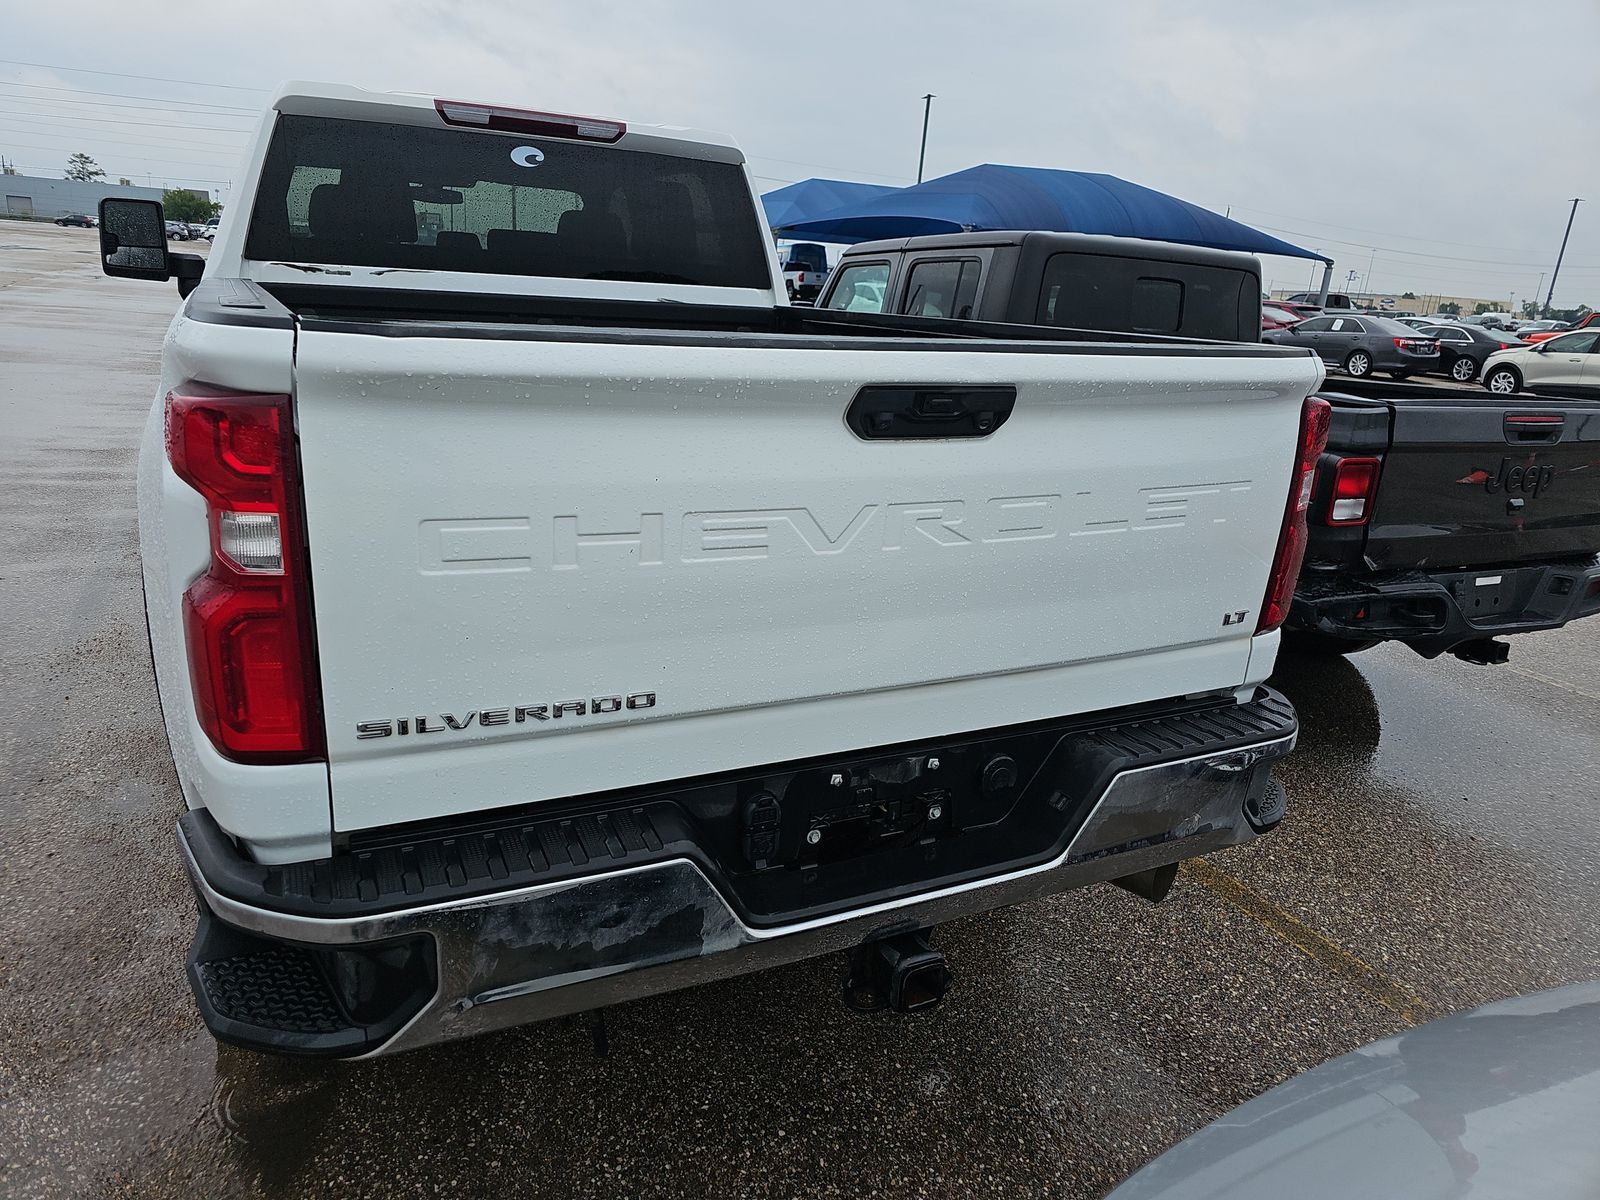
x=546 y=614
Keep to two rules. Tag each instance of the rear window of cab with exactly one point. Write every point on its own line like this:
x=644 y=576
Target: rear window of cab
x=1133 y=295
x=363 y=193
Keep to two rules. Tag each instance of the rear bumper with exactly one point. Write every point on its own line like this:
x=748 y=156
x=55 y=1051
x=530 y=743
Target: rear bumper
x=635 y=923
x=1434 y=611
x=1400 y=360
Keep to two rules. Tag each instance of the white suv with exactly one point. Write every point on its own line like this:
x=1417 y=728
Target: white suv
x=1569 y=364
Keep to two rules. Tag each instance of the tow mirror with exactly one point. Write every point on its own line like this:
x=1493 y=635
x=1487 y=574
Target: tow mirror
x=133 y=245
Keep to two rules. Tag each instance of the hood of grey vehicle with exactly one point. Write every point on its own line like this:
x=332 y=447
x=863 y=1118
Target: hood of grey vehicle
x=1502 y=1101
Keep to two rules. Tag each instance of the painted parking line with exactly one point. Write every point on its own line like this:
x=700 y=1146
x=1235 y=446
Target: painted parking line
x=1324 y=951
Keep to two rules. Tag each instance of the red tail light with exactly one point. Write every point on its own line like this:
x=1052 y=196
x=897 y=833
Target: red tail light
x=247 y=620
x=520 y=120
x=1314 y=418
x=1355 y=483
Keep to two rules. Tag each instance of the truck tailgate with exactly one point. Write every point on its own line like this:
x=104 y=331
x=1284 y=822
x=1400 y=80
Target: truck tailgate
x=1486 y=482
x=549 y=565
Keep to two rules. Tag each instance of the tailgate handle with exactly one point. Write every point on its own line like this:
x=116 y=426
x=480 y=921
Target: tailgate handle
x=890 y=412
x=1534 y=429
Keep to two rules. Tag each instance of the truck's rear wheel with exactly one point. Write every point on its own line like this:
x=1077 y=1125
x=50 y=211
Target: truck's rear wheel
x=1311 y=643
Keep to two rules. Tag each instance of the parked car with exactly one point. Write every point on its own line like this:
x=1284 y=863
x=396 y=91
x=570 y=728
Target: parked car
x=803 y=281
x=1463 y=349
x=1567 y=362
x=1442 y=520
x=1489 y=320
x=1496 y=1102
x=1305 y=310
x=78 y=219
x=1583 y=322
x=644 y=749
x=1334 y=300
x=177 y=231
x=210 y=232
x=1278 y=316
x=1417 y=322
x=1360 y=345
x=1527 y=329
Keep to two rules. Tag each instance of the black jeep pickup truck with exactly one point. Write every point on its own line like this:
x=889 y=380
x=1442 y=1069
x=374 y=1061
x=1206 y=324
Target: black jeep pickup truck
x=1440 y=517
x=1445 y=519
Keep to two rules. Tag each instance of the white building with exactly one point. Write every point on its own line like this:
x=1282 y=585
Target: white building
x=47 y=199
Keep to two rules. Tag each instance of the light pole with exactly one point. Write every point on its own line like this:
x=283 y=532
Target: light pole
x=1560 y=254
x=927 y=108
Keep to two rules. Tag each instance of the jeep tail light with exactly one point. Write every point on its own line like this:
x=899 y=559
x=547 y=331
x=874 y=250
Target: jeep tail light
x=1314 y=418
x=521 y=120
x=1355 y=483
x=247 y=620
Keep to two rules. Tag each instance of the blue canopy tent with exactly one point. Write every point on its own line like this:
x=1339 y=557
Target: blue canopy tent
x=993 y=196
x=813 y=197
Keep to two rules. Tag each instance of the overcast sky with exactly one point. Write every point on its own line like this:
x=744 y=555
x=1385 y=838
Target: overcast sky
x=1438 y=142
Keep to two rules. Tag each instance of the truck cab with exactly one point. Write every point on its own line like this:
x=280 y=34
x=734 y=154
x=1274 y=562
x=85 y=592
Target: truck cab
x=1062 y=280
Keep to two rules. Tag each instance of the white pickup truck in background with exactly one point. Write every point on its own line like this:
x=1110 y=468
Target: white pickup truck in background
x=546 y=614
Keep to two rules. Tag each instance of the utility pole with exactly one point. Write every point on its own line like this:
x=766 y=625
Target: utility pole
x=927 y=108
x=1576 y=200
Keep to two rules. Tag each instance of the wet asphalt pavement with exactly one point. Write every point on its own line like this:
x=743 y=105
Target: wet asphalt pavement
x=1442 y=850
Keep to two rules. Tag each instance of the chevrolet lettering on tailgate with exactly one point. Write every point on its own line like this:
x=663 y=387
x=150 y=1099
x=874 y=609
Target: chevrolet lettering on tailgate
x=507 y=543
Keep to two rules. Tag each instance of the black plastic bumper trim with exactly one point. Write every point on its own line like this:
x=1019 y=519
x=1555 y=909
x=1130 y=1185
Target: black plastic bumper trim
x=1325 y=606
